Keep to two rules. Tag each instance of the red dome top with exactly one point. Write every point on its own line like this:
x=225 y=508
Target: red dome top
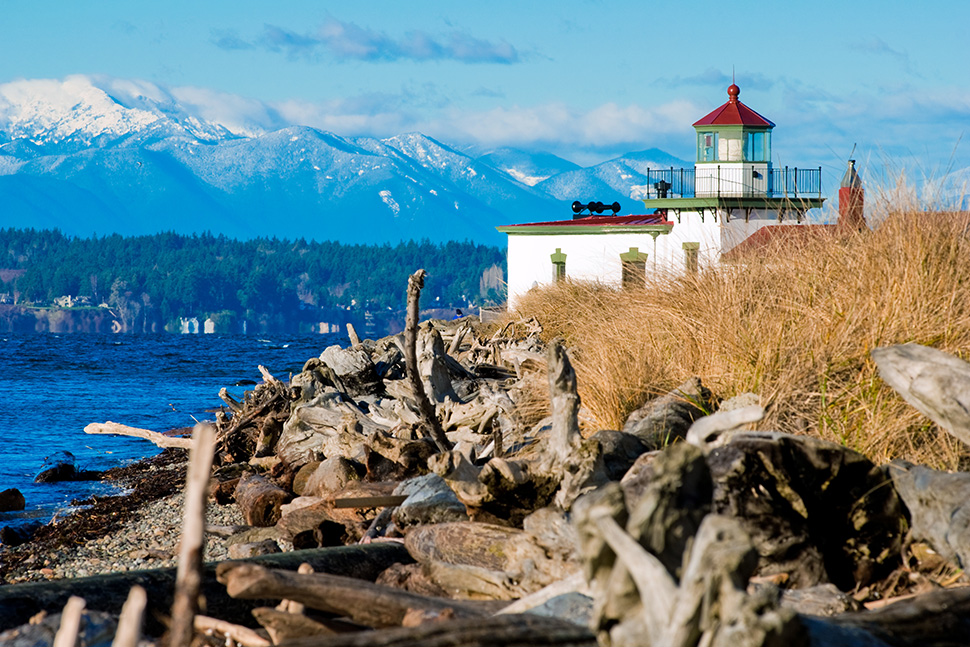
x=734 y=113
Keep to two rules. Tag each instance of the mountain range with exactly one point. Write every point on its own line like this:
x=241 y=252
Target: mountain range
x=95 y=157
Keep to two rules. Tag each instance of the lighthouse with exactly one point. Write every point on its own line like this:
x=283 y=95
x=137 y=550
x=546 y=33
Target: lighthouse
x=734 y=200
x=734 y=190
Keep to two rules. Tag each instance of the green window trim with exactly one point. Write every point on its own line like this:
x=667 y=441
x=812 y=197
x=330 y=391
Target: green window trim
x=633 y=256
x=692 y=256
x=558 y=265
x=633 y=268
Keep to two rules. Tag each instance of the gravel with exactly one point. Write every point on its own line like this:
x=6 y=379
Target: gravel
x=148 y=538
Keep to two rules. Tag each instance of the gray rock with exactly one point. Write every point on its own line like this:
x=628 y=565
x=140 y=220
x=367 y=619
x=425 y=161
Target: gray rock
x=662 y=420
x=12 y=500
x=244 y=551
x=254 y=535
x=573 y=607
x=332 y=475
x=429 y=501
x=620 y=450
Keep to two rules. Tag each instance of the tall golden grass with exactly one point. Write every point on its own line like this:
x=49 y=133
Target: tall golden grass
x=794 y=324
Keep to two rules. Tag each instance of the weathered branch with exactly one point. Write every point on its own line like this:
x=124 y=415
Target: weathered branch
x=129 y=622
x=188 y=578
x=425 y=409
x=115 y=429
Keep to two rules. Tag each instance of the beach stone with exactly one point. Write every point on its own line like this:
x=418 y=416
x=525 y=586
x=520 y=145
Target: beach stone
x=17 y=535
x=814 y=509
x=12 y=500
x=254 y=535
x=253 y=549
x=429 y=501
x=740 y=401
x=619 y=451
x=573 y=607
x=63 y=467
x=662 y=420
x=332 y=475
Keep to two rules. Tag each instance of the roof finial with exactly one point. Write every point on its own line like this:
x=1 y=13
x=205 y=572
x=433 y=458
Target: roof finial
x=733 y=89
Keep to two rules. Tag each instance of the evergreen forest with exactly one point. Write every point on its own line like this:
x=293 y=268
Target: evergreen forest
x=152 y=281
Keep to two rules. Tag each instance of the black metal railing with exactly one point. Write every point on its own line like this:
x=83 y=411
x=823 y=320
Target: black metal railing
x=781 y=182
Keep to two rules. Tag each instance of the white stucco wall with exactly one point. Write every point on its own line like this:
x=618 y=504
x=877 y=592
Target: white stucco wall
x=596 y=256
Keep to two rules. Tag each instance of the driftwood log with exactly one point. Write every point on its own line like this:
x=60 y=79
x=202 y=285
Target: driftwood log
x=18 y=602
x=507 y=630
x=934 y=382
x=115 y=429
x=260 y=500
x=370 y=604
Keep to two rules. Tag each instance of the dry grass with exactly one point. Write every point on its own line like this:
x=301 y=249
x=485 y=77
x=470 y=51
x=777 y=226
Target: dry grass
x=795 y=326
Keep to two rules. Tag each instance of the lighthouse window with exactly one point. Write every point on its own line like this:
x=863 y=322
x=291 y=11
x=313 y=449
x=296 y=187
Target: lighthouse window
x=706 y=147
x=756 y=147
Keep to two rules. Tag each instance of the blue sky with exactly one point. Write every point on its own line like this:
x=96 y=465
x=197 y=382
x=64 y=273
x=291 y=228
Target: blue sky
x=584 y=79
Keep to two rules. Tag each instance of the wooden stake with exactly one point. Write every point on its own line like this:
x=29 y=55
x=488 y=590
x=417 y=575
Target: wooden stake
x=426 y=411
x=70 y=623
x=188 y=578
x=129 y=622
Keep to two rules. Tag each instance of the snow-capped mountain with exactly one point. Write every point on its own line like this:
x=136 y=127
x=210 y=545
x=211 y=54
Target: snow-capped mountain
x=100 y=156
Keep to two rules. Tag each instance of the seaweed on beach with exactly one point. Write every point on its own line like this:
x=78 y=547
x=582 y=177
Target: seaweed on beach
x=147 y=480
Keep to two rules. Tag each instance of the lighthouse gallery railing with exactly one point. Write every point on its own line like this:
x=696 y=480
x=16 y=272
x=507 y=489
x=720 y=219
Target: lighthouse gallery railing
x=733 y=181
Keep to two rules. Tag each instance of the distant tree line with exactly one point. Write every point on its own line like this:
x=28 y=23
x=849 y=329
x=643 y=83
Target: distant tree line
x=168 y=275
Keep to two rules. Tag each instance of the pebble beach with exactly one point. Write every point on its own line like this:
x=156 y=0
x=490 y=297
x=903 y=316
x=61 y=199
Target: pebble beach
x=148 y=538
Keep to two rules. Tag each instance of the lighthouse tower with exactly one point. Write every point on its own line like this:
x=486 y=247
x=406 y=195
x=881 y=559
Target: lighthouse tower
x=733 y=150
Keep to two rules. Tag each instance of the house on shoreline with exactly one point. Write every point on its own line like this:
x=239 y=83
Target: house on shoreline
x=732 y=198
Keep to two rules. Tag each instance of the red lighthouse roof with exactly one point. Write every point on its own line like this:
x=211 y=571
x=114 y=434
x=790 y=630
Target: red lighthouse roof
x=734 y=113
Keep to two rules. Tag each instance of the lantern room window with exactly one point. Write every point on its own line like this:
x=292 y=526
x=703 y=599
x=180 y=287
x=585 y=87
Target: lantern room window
x=757 y=146
x=707 y=147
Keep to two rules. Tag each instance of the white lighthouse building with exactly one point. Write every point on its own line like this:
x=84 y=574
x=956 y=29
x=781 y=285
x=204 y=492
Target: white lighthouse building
x=695 y=215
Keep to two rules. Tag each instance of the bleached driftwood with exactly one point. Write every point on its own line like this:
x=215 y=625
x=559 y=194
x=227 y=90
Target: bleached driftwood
x=708 y=429
x=240 y=635
x=364 y=602
x=66 y=634
x=426 y=410
x=129 y=622
x=115 y=429
x=935 y=382
x=189 y=575
x=285 y=626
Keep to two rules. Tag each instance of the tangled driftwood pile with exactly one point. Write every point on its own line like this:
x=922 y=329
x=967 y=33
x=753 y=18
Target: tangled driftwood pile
x=416 y=491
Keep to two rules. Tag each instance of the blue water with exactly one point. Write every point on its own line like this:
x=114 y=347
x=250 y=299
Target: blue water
x=52 y=386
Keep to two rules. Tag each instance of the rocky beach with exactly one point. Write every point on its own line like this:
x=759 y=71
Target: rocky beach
x=453 y=467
